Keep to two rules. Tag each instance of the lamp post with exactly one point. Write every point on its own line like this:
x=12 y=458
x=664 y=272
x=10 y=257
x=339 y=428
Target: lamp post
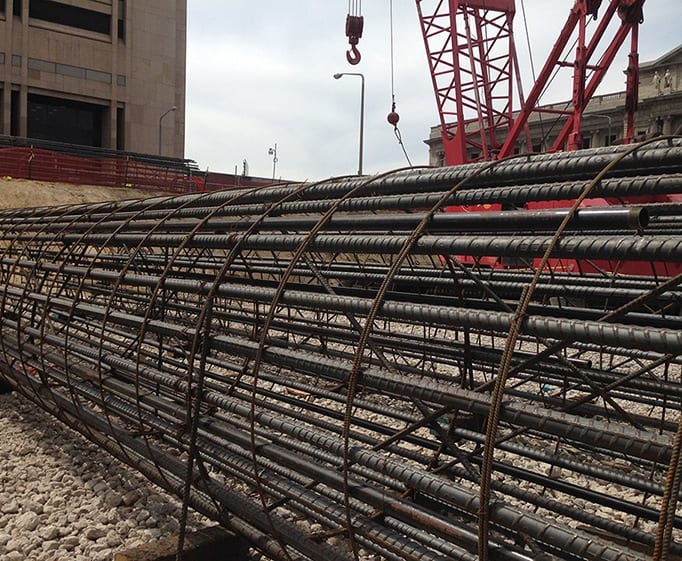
x=362 y=111
x=608 y=117
x=273 y=153
x=160 y=122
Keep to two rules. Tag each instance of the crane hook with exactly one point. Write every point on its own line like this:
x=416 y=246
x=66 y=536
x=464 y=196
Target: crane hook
x=354 y=25
x=353 y=55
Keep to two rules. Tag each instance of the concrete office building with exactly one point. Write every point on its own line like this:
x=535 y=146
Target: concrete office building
x=604 y=120
x=103 y=73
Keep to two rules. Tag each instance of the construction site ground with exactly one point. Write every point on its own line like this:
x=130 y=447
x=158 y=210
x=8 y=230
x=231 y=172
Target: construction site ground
x=23 y=193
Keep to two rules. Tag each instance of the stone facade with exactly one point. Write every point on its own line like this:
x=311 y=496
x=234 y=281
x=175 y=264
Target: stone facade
x=604 y=121
x=122 y=60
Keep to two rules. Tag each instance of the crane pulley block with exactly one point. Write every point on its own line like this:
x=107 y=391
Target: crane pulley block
x=354 y=26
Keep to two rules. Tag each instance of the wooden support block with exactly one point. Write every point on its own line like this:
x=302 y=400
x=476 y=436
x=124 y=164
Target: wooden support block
x=210 y=544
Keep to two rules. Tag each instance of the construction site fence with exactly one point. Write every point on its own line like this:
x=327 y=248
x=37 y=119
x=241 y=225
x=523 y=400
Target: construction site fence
x=124 y=172
x=121 y=170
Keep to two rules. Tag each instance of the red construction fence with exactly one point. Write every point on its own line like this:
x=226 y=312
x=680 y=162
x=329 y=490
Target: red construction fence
x=125 y=171
x=116 y=169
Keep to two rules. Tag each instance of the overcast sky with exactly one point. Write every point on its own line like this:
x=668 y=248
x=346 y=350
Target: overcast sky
x=260 y=73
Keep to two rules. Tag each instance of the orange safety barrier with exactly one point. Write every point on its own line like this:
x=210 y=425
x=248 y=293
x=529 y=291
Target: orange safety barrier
x=47 y=165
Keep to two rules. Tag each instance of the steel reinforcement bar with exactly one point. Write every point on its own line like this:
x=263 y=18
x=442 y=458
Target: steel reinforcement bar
x=344 y=369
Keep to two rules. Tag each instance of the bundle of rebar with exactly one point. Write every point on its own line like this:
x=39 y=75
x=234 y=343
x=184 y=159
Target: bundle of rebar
x=477 y=362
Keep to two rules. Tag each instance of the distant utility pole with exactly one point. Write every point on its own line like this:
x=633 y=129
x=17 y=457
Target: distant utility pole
x=273 y=153
x=160 y=123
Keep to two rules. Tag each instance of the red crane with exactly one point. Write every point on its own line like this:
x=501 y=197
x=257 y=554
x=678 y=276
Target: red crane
x=473 y=62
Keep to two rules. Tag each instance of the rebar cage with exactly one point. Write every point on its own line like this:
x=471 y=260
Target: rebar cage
x=343 y=369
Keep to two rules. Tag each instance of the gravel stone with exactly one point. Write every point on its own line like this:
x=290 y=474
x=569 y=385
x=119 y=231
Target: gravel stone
x=113 y=500
x=49 y=509
x=15 y=544
x=12 y=507
x=69 y=542
x=48 y=533
x=28 y=521
x=95 y=533
x=50 y=545
x=129 y=499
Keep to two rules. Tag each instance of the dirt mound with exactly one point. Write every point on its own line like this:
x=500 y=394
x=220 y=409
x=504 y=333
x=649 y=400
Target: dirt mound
x=23 y=193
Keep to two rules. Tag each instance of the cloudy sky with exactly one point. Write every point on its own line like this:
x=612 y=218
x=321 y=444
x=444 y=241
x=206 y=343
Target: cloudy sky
x=260 y=74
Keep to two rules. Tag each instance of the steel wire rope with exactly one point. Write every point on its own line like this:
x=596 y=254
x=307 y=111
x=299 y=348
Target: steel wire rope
x=396 y=130
x=297 y=255
x=532 y=61
x=505 y=363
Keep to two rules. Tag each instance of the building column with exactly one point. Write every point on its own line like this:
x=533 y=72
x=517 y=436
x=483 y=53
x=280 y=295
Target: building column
x=6 y=117
x=667 y=125
x=6 y=108
x=110 y=140
x=23 y=90
x=23 y=111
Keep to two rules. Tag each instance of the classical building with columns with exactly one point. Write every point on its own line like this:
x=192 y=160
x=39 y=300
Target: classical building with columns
x=659 y=110
x=105 y=73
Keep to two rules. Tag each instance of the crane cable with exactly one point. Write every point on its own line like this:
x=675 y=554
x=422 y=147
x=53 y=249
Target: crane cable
x=393 y=116
x=532 y=63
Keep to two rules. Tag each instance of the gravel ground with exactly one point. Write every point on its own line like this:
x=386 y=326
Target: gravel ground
x=61 y=498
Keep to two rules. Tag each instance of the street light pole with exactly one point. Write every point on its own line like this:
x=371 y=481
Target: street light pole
x=362 y=111
x=160 y=120
x=608 y=117
x=273 y=153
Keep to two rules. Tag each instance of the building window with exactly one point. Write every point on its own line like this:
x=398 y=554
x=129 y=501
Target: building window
x=2 y=6
x=71 y=71
x=587 y=143
x=14 y=113
x=120 y=128
x=98 y=76
x=121 y=20
x=64 y=14
x=16 y=8
x=64 y=120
